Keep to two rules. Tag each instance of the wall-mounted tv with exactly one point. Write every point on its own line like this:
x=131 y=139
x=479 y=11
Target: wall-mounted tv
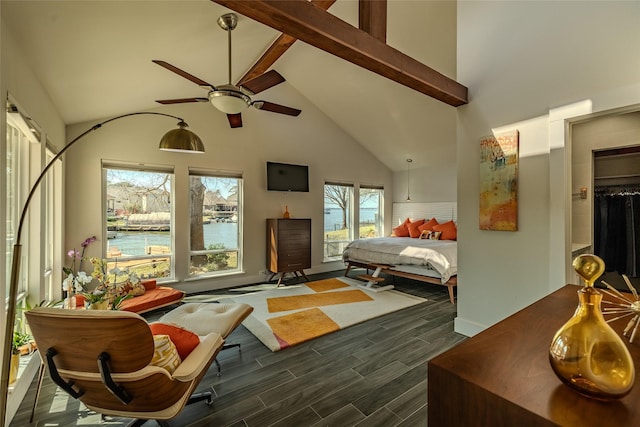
x=286 y=177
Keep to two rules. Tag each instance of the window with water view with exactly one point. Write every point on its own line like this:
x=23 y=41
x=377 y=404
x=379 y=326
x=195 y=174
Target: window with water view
x=139 y=222
x=340 y=217
x=214 y=233
x=371 y=219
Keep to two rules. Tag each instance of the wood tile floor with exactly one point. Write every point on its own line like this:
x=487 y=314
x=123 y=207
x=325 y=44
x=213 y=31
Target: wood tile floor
x=371 y=374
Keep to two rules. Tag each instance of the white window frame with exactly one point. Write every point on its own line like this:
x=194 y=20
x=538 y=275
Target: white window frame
x=379 y=221
x=240 y=215
x=332 y=249
x=146 y=168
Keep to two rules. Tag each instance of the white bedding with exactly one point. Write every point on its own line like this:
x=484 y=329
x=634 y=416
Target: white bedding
x=440 y=255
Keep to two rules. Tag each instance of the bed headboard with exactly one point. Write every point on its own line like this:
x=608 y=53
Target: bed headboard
x=441 y=211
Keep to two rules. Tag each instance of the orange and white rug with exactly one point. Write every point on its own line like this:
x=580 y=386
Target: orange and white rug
x=290 y=315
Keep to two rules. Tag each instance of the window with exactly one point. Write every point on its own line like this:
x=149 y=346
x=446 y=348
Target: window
x=216 y=218
x=17 y=180
x=52 y=232
x=139 y=220
x=371 y=218
x=338 y=219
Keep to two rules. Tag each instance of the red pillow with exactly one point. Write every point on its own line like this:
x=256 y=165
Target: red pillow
x=402 y=230
x=184 y=340
x=449 y=230
x=413 y=228
x=428 y=225
x=149 y=284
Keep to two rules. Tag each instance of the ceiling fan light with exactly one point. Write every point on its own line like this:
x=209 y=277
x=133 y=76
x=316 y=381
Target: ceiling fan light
x=182 y=140
x=229 y=101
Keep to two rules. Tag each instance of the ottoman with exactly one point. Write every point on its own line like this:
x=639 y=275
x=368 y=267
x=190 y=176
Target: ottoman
x=204 y=318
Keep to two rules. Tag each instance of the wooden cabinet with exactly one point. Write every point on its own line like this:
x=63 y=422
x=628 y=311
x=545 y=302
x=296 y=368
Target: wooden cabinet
x=288 y=246
x=501 y=377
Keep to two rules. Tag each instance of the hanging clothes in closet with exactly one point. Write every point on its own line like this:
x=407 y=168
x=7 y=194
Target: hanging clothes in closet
x=617 y=228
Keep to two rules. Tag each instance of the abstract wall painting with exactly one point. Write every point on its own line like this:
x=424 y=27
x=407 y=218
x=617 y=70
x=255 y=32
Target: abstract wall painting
x=499 y=182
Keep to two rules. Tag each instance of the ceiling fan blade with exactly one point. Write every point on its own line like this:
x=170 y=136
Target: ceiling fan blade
x=235 y=120
x=276 y=108
x=181 y=100
x=263 y=81
x=183 y=73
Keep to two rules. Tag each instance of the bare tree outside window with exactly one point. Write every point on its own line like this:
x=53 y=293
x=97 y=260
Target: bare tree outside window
x=370 y=202
x=340 y=196
x=214 y=232
x=338 y=219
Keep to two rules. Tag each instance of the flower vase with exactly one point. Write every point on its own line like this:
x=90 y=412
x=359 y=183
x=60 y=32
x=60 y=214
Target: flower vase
x=70 y=301
x=586 y=353
x=100 y=305
x=13 y=368
x=286 y=214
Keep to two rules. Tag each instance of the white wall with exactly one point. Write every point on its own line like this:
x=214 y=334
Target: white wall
x=435 y=182
x=311 y=139
x=17 y=80
x=521 y=61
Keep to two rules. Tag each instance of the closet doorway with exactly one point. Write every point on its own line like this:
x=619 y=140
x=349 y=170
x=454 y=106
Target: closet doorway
x=616 y=213
x=605 y=202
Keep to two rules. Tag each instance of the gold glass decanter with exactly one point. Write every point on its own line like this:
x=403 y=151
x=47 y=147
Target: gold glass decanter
x=586 y=353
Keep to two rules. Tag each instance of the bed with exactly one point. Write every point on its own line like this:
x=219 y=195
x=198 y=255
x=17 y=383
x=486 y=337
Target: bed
x=425 y=260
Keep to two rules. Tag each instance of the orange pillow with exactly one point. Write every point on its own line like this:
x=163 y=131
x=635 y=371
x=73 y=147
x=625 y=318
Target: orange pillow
x=413 y=228
x=449 y=230
x=149 y=284
x=402 y=230
x=184 y=340
x=428 y=225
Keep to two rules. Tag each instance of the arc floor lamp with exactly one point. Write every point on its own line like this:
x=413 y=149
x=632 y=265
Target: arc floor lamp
x=180 y=140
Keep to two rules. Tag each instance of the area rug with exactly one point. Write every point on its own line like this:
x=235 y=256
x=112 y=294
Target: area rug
x=290 y=315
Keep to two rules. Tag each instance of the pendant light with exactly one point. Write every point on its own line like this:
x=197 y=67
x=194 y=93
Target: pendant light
x=408 y=164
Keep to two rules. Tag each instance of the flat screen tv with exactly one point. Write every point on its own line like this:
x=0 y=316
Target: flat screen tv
x=286 y=177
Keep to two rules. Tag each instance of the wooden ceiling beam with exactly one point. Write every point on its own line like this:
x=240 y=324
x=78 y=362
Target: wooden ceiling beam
x=277 y=48
x=309 y=23
x=372 y=18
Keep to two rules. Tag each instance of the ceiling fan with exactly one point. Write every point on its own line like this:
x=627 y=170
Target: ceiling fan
x=229 y=98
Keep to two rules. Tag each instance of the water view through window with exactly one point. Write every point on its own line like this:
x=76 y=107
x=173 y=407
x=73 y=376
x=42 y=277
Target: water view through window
x=139 y=221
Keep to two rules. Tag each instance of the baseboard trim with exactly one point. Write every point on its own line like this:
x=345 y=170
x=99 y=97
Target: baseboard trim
x=467 y=327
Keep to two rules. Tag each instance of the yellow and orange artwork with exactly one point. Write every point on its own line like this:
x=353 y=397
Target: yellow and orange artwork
x=499 y=182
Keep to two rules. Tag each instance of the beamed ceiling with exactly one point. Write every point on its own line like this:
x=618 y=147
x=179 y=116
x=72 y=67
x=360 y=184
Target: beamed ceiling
x=391 y=86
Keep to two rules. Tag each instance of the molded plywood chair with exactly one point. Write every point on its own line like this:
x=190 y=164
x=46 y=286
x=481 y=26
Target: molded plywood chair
x=103 y=358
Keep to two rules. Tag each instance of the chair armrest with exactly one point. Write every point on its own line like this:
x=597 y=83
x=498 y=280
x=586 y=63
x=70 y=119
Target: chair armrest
x=199 y=358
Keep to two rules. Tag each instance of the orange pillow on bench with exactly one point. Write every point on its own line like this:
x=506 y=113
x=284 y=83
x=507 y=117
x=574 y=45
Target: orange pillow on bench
x=149 y=284
x=184 y=340
x=152 y=299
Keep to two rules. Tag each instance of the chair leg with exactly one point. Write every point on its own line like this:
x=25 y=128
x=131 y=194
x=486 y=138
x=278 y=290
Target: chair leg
x=207 y=396
x=219 y=367
x=137 y=423
x=38 y=387
x=225 y=347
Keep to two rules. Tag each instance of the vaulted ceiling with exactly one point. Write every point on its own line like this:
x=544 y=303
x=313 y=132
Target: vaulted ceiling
x=94 y=60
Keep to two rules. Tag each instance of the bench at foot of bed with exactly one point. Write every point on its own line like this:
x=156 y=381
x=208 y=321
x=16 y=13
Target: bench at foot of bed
x=450 y=284
x=374 y=280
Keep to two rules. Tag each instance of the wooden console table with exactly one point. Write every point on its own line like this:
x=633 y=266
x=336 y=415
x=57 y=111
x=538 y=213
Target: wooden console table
x=502 y=376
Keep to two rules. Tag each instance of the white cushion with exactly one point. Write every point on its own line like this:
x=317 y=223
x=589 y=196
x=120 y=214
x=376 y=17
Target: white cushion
x=204 y=318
